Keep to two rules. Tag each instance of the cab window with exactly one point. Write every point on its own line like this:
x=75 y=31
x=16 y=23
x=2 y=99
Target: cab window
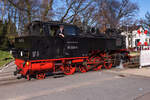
x=70 y=30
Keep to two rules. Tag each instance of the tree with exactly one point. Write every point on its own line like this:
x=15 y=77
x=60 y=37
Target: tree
x=111 y=12
x=84 y=13
x=6 y=30
x=26 y=6
x=146 y=21
x=69 y=4
x=72 y=11
x=47 y=8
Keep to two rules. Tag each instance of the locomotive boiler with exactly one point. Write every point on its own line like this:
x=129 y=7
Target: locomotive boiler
x=42 y=50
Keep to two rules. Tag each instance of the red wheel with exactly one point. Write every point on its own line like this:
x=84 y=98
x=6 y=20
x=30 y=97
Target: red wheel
x=107 y=65
x=40 y=76
x=82 y=69
x=69 y=70
x=99 y=67
x=107 y=61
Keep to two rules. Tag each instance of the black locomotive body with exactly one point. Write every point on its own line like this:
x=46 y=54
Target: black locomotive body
x=41 y=50
x=75 y=44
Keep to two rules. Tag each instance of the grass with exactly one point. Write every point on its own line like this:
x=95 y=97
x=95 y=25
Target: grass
x=5 y=57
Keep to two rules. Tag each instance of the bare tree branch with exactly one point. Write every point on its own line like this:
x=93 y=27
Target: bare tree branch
x=49 y=7
x=68 y=9
x=16 y=6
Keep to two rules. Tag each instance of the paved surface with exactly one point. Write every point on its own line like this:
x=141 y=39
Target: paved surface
x=144 y=97
x=7 y=71
x=145 y=71
x=8 y=68
x=101 y=85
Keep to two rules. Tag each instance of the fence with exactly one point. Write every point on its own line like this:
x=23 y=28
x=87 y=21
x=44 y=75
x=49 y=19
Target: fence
x=144 y=57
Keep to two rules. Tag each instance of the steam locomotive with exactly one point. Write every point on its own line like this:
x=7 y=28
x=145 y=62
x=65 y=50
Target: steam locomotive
x=41 y=50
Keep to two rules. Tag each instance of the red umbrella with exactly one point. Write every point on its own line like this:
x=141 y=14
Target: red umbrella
x=145 y=32
x=139 y=32
x=145 y=43
x=139 y=43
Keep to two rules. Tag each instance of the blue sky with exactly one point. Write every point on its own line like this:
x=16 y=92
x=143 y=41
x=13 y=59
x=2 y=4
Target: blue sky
x=144 y=6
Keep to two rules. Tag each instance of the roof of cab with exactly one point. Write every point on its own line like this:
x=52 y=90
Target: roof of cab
x=53 y=23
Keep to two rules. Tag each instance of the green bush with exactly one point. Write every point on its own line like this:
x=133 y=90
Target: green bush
x=8 y=31
x=5 y=57
x=4 y=43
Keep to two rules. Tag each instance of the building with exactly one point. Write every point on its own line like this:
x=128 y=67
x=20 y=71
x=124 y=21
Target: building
x=136 y=37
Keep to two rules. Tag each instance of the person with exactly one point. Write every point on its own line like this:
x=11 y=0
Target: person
x=60 y=42
x=60 y=32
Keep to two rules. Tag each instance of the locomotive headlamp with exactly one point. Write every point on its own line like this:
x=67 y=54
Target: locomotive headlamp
x=27 y=63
